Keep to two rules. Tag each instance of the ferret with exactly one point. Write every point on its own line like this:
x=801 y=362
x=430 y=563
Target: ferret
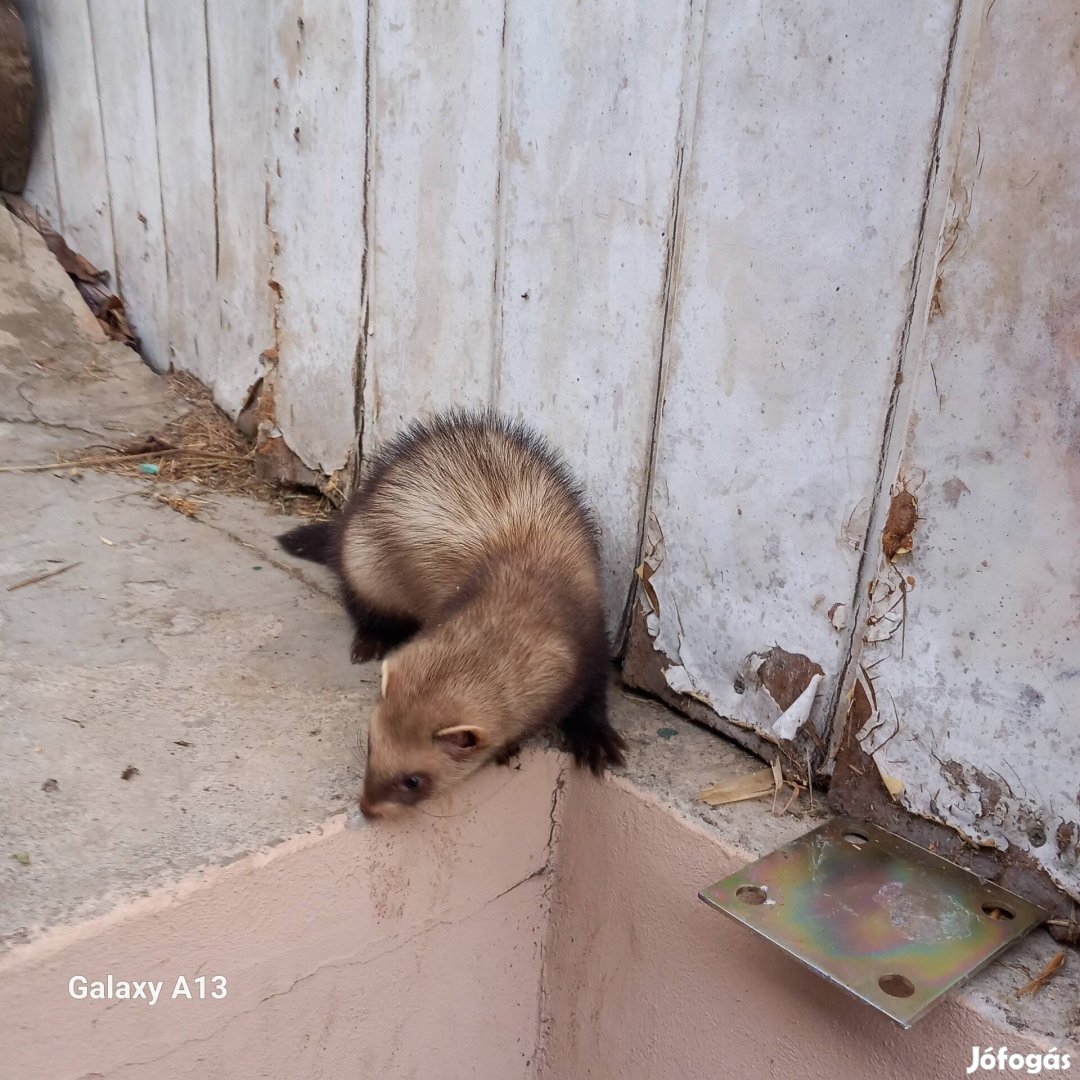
x=469 y=560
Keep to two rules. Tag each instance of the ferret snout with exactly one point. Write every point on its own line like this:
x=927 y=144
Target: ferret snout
x=379 y=809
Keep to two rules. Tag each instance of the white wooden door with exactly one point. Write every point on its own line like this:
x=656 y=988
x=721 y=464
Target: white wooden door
x=972 y=641
x=802 y=217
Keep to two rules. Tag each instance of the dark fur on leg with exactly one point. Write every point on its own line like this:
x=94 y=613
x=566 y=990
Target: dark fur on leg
x=376 y=633
x=316 y=543
x=588 y=733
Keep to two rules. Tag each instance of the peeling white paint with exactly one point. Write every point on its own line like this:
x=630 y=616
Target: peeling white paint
x=788 y=723
x=803 y=195
x=679 y=679
x=984 y=673
x=315 y=182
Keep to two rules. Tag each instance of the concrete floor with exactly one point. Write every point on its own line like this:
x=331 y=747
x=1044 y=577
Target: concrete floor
x=171 y=631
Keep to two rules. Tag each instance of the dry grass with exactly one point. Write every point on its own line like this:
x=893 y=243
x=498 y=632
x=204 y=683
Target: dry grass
x=204 y=451
x=201 y=450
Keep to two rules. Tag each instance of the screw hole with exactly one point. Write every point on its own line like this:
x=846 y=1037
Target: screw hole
x=856 y=839
x=898 y=986
x=752 y=894
x=739 y=685
x=996 y=911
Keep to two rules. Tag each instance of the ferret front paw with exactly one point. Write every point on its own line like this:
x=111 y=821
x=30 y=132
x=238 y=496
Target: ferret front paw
x=365 y=649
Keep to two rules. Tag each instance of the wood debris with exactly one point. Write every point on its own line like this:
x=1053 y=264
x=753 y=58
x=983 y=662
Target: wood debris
x=43 y=577
x=645 y=573
x=1044 y=976
x=897 y=538
x=753 y=785
x=795 y=789
x=188 y=506
x=893 y=786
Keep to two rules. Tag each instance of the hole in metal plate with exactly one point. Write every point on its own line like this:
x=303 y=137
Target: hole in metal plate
x=752 y=894
x=891 y=923
x=896 y=985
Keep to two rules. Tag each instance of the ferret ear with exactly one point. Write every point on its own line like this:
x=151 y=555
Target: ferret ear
x=385 y=677
x=463 y=740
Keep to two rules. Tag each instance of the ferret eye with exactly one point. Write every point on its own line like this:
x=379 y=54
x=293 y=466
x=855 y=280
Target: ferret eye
x=411 y=787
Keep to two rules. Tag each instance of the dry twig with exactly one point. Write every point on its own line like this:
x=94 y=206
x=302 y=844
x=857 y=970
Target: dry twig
x=1044 y=976
x=43 y=577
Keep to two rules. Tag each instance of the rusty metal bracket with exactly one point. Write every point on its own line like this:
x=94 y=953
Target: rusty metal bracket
x=893 y=924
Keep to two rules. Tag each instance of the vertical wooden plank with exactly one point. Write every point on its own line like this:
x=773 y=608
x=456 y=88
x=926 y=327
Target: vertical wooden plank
x=804 y=199
x=974 y=636
x=592 y=124
x=126 y=96
x=317 y=221
x=434 y=182
x=185 y=150
x=240 y=118
x=63 y=28
x=41 y=191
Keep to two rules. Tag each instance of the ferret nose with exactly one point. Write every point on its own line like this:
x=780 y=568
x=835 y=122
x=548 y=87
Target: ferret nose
x=367 y=809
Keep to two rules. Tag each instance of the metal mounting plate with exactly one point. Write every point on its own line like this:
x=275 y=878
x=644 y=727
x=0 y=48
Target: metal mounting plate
x=891 y=923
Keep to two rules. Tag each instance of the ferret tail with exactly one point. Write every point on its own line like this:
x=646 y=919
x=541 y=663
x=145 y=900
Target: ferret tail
x=312 y=542
x=589 y=736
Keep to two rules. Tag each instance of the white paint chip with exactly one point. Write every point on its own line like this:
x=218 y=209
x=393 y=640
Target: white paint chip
x=678 y=678
x=787 y=724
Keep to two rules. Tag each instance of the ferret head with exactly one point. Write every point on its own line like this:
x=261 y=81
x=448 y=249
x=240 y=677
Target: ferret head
x=424 y=737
